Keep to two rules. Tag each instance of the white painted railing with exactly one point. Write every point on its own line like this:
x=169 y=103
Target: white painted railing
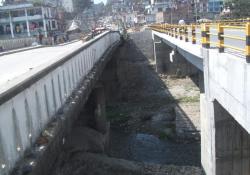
x=28 y=107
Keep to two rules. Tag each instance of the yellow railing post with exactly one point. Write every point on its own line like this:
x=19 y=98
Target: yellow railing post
x=165 y=28
x=168 y=29
x=181 y=32
x=186 y=33
x=193 y=34
x=205 y=36
x=220 y=38
x=248 y=41
x=173 y=30
x=176 y=32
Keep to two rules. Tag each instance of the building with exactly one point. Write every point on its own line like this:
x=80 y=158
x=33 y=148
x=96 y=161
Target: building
x=162 y=17
x=156 y=6
x=45 y=2
x=150 y=18
x=215 y=6
x=27 y=19
x=130 y=19
x=202 y=6
x=68 y=5
x=99 y=9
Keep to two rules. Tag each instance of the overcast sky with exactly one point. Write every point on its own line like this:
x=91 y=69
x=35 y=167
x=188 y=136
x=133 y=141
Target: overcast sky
x=97 y=1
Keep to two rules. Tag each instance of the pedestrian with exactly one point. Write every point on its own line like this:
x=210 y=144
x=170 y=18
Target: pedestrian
x=67 y=36
x=40 y=36
x=55 y=38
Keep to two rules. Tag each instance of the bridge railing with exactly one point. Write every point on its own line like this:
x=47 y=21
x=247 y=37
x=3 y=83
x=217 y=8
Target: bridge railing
x=234 y=22
x=27 y=107
x=220 y=35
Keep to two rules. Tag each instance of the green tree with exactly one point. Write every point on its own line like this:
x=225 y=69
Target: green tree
x=37 y=2
x=81 y=5
x=238 y=8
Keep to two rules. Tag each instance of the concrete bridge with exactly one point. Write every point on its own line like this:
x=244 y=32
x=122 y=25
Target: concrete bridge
x=224 y=104
x=41 y=93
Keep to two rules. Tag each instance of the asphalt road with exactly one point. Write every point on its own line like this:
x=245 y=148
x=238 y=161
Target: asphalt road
x=20 y=64
x=16 y=65
x=232 y=42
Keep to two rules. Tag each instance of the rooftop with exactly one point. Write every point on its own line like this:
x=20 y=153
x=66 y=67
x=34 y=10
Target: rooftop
x=15 y=6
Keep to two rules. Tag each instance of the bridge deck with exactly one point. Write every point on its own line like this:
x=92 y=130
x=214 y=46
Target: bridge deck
x=192 y=52
x=24 y=64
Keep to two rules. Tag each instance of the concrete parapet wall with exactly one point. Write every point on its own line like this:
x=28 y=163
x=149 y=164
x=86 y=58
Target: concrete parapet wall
x=227 y=81
x=16 y=43
x=226 y=124
x=27 y=107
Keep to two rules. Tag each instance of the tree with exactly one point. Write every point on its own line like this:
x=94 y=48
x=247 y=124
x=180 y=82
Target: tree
x=37 y=2
x=238 y=8
x=81 y=5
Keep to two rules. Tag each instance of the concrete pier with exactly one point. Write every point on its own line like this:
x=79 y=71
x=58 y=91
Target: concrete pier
x=224 y=104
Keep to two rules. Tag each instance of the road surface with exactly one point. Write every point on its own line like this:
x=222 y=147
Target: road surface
x=231 y=42
x=16 y=66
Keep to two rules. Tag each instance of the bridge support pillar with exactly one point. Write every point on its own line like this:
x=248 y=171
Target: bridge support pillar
x=232 y=144
x=161 y=55
x=169 y=61
x=100 y=122
x=225 y=144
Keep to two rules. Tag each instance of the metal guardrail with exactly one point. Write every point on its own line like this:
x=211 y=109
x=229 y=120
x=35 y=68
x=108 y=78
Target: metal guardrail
x=190 y=32
x=240 y=21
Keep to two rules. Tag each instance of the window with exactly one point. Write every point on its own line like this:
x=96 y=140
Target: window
x=24 y=26
x=1 y=29
x=32 y=12
x=17 y=13
x=4 y=15
x=159 y=9
x=53 y=24
x=40 y=24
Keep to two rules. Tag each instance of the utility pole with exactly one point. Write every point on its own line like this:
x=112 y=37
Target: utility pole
x=196 y=10
x=171 y=11
x=171 y=16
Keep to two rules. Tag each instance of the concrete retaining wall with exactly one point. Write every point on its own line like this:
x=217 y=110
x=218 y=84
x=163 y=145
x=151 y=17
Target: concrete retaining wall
x=29 y=106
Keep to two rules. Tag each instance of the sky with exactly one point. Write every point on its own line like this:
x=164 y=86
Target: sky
x=97 y=1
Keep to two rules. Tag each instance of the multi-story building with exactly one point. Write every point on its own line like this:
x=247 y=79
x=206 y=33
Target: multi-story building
x=45 y=2
x=27 y=19
x=215 y=6
x=158 y=6
x=150 y=18
x=68 y=5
